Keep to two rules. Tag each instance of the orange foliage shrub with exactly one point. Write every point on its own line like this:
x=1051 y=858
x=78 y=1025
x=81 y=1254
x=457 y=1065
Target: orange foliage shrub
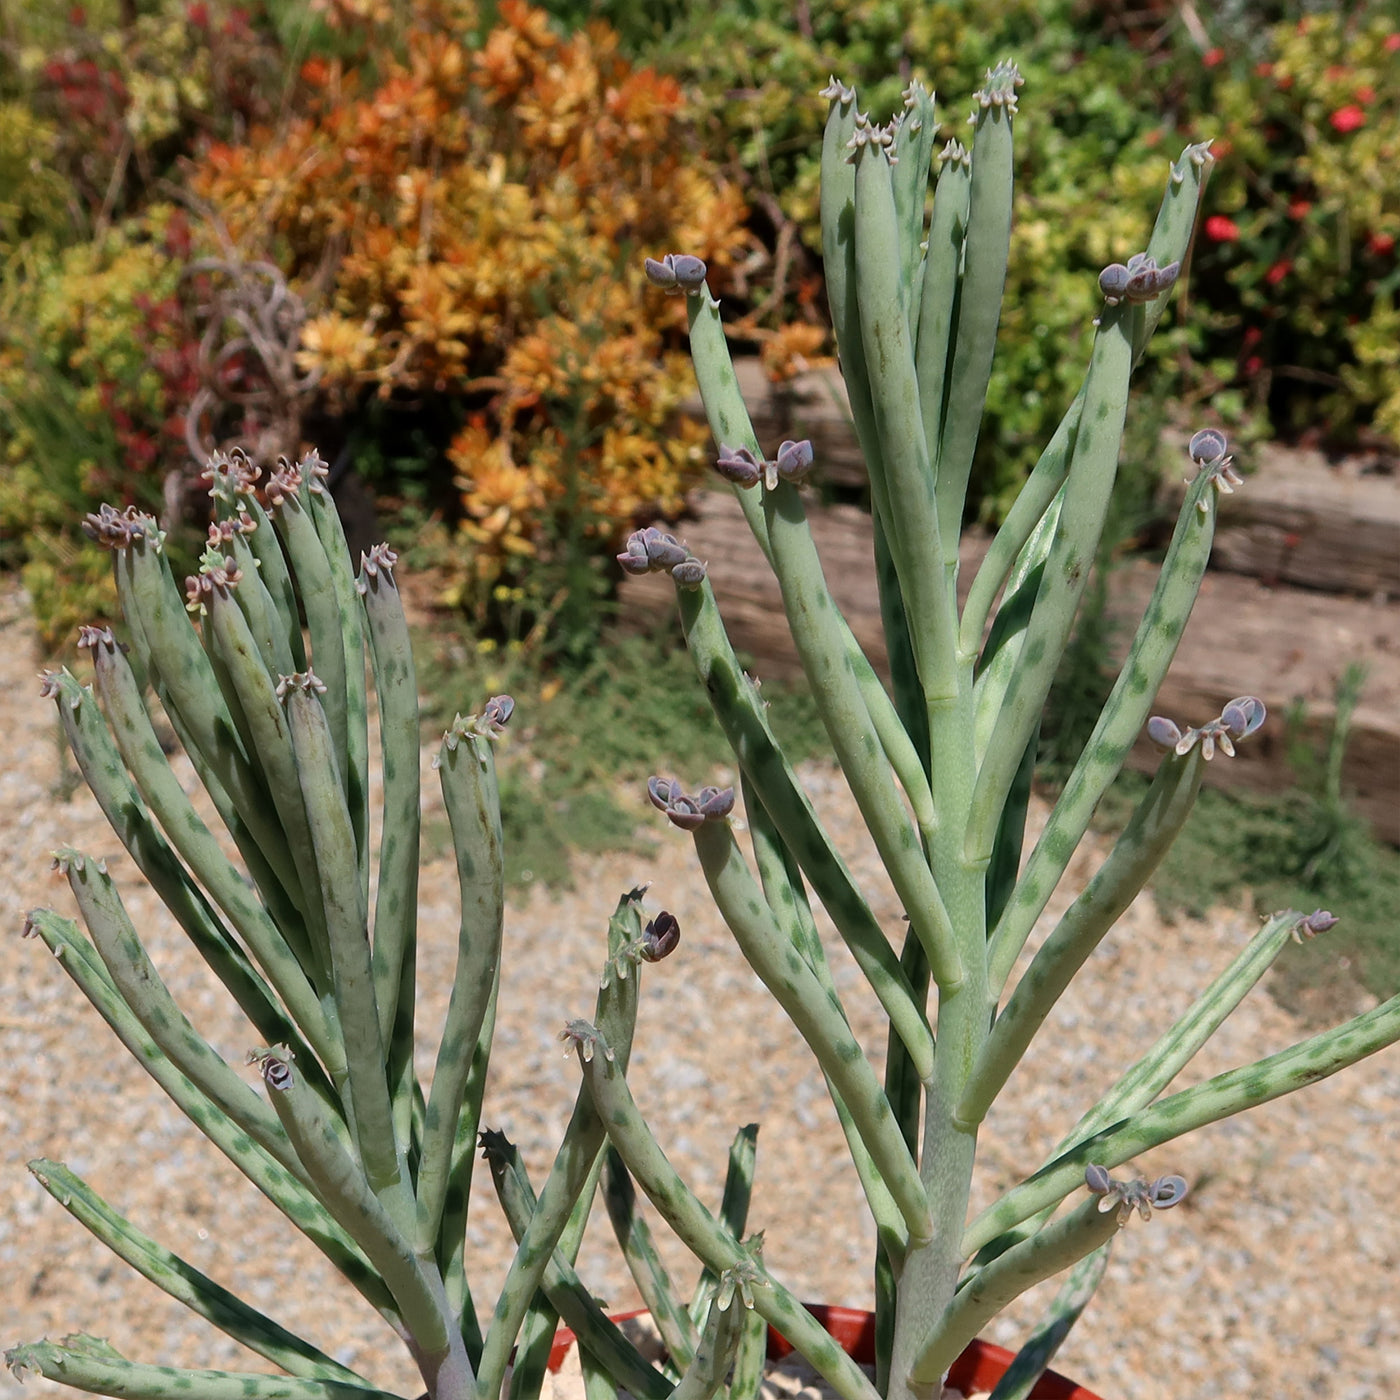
x=478 y=219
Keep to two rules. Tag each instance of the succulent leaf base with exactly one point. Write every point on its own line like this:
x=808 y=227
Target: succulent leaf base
x=259 y=665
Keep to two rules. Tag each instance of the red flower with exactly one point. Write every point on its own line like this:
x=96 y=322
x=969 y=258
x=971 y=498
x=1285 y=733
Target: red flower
x=1299 y=208
x=1392 y=42
x=1278 y=272
x=1253 y=365
x=1381 y=244
x=1212 y=56
x=1346 y=119
x=1221 y=229
x=1263 y=70
x=1365 y=94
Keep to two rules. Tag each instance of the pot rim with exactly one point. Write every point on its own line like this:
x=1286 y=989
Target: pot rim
x=980 y=1366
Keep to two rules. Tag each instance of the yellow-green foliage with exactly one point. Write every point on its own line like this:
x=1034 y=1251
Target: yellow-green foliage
x=82 y=404
x=478 y=216
x=33 y=198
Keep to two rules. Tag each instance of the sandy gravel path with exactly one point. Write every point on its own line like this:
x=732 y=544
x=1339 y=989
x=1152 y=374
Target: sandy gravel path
x=1278 y=1278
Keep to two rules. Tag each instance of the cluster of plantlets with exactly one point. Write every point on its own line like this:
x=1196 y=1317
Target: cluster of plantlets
x=478 y=201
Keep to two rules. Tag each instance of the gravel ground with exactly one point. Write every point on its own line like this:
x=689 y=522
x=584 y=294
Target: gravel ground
x=1277 y=1278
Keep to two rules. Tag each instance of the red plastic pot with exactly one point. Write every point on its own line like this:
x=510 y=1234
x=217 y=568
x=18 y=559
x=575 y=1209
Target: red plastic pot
x=979 y=1368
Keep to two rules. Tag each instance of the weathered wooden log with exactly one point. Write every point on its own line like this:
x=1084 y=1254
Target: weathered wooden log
x=1301 y=519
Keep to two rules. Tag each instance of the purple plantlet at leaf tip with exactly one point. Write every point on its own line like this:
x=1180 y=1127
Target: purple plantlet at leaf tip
x=739 y=465
x=1243 y=715
x=274 y=1064
x=660 y=936
x=716 y=803
x=306 y=681
x=676 y=272
x=1127 y=1196
x=380 y=559
x=663 y=551
x=1163 y=732
x=1319 y=921
x=690 y=573
x=498 y=711
x=794 y=460
x=1207 y=445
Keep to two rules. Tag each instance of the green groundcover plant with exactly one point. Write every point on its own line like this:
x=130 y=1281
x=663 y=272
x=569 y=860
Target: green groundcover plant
x=320 y=956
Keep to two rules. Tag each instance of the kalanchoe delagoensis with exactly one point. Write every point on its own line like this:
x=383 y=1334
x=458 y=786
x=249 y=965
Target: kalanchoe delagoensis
x=1310 y=925
x=489 y=724
x=216 y=574
x=870 y=134
x=1206 y=446
x=380 y=559
x=497 y=712
x=686 y=811
x=1140 y=280
x=741 y=466
x=652 y=550
x=677 y=272
x=582 y=1037
x=794 y=460
x=689 y=573
x=1238 y=720
x=1127 y=1196
x=999 y=88
x=660 y=937
x=117 y=529
x=1207 y=450
x=837 y=92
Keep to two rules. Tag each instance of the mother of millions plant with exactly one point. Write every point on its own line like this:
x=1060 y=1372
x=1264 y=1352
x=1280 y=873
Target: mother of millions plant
x=320 y=957
x=941 y=765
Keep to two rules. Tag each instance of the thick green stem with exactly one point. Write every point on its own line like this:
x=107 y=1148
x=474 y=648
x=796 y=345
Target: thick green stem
x=1056 y=1247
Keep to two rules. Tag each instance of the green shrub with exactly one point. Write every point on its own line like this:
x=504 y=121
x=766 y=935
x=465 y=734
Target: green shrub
x=95 y=368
